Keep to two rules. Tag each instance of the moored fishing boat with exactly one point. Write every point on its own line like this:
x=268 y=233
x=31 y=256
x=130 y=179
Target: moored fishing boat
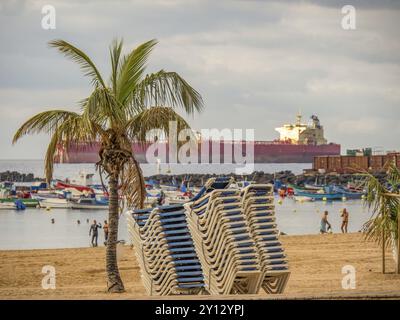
x=313 y=186
x=349 y=194
x=318 y=195
x=57 y=203
x=180 y=199
x=28 y=202
x=89 y=203
x=303 y=199
x=64 y=185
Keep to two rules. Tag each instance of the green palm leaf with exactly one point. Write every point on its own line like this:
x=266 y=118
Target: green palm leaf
x=44 y=122
x=168 y=88
x=81 y=58
x=131 y=70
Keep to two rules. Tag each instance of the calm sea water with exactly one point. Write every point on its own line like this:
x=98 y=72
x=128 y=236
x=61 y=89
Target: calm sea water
x=32 y=228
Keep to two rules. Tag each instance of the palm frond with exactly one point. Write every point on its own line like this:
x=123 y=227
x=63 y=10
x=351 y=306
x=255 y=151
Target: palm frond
x=49 y=158
x=132 y=69
x=44 y=122
x=88 y=67
x=385 y=207
x=133 y=185
x=167 y=88
x=152 y=118
x=73 y=131
x=115 y=54
x=102 y=107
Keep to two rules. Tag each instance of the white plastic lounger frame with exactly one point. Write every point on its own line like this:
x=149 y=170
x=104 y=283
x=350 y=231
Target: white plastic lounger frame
x=258 y=206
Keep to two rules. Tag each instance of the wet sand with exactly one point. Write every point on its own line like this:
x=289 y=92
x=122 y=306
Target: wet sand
x=316 y=263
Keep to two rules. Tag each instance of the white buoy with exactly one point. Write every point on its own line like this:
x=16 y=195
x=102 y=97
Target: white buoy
x=324 y=199
x=344 y=198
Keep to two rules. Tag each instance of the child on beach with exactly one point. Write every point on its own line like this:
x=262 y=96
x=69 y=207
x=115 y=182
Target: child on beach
x=105 y=228
x=345 y=220
x=324 y=223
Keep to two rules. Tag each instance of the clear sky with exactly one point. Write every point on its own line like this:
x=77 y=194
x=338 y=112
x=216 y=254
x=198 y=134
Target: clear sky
x=256 y=63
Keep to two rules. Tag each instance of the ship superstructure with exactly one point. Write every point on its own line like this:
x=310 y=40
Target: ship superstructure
x=301 y=133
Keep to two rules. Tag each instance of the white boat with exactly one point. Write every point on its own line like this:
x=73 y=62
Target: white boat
x=153 y=192
x=177 y=200
x=48 y=194
x=167 y=188
x=83 y=179
x=303 y=199
x=240 y=184
x=313 y=187
x=150 y=201
x=89 y=203
x=55 y=203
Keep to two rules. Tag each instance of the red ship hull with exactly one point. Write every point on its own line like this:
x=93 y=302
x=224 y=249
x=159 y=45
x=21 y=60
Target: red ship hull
x=264 y=152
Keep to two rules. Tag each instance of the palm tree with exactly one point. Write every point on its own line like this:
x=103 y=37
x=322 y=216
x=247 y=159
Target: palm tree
x=116 y=113
x=384 y=200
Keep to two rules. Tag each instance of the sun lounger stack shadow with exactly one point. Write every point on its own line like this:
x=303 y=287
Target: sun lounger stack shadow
x=257 y=201
x=226 y=250
x=165 y=251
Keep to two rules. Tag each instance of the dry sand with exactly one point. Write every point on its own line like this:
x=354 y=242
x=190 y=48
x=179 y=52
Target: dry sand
x=316 y=263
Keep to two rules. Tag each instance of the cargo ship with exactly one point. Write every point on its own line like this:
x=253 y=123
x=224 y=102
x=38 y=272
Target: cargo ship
x=298 y=143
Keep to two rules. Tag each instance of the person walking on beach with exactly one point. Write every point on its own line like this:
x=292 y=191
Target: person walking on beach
x=105 y=228
x=345 y=220
x=94 y=232
x=161 y=198
x=324 y=223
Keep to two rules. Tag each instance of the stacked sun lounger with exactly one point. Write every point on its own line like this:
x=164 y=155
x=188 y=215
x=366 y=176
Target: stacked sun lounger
x=257 y=202
x=224 y=241
x=165 y=251
x=226 y=250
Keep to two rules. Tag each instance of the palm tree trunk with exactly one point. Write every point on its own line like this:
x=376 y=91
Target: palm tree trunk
x=383 y=252
x=398 y=243
x=114 y=282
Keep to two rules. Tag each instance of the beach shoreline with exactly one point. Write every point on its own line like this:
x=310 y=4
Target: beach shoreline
x=316 y=263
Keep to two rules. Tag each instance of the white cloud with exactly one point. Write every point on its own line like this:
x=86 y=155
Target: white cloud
x=255 y=62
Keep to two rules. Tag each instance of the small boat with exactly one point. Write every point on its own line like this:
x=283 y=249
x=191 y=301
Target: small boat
x=313 y=186
x=150 y=201
x=319 y=195
x=177 y=200
x=241 y=184
x=347 y=193
x=153 y=192
x=89 y=203
x=64 y=185
x=169 y=188
x=28 y=202
x=303 y=199
x=58 y=203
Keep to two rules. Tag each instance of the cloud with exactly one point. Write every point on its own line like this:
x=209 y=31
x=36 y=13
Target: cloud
x=256 y=63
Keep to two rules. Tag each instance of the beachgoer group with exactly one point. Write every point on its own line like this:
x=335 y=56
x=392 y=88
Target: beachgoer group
x=326 y=227
x=94 y=232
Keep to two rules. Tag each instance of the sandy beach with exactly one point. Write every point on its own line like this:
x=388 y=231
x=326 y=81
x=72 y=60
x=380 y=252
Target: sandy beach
x=316 y=264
